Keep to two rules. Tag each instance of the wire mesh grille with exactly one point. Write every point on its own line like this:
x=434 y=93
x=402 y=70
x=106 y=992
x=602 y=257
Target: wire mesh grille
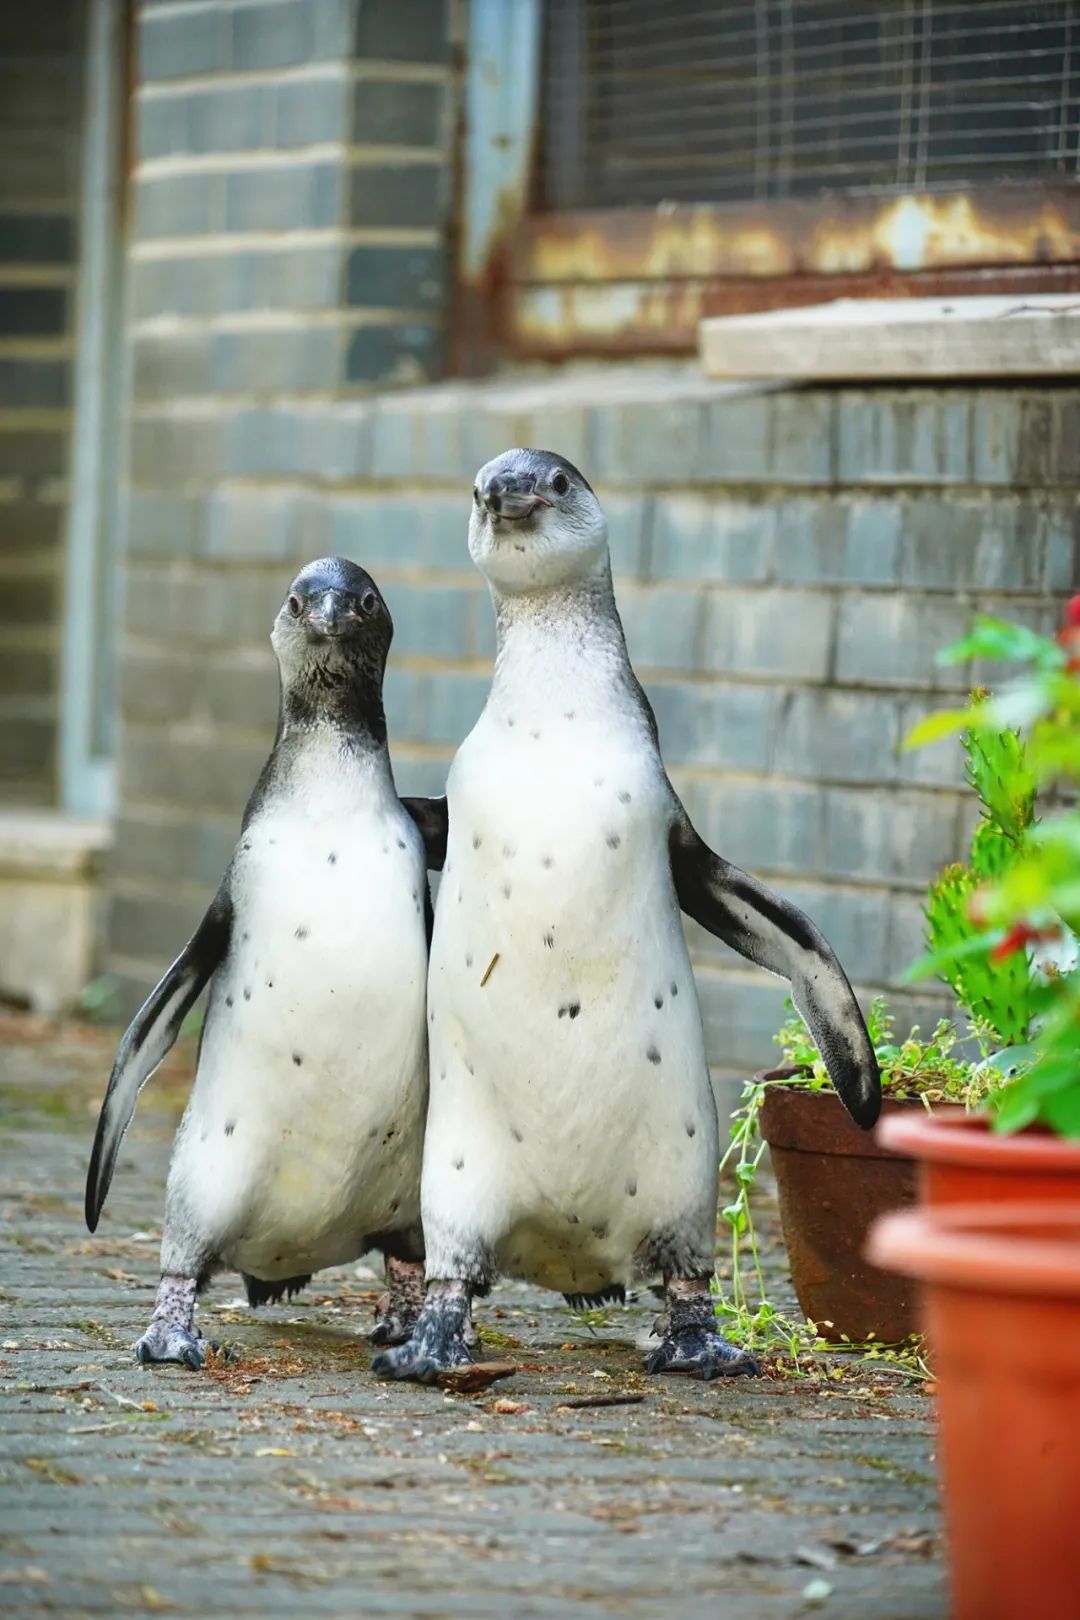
x=646 y=102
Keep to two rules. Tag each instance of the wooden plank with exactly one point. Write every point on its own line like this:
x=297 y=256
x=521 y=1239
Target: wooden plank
x=870 y=339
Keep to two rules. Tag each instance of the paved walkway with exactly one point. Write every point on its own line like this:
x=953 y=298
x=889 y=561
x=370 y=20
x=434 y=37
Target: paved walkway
x=291 y=1483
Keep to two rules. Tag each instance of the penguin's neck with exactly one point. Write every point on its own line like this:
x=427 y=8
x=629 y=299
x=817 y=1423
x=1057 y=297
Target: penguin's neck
x=574 y=628
x=326 y=700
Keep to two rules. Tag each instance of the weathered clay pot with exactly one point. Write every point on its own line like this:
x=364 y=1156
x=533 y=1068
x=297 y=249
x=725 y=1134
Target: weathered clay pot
x=1002 y=1293
x=961 y=1160
x=833 y=1181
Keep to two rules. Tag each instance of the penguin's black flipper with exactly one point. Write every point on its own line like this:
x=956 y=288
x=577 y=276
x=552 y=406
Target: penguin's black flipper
x=148 y=1038
x=433 y=822
x=773 y=933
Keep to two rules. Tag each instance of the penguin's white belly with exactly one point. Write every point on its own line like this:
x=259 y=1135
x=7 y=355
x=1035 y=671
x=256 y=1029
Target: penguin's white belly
x=571 y=1112
x=305 y=1128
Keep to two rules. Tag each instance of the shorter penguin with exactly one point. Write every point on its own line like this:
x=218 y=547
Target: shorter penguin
x=301 y=1143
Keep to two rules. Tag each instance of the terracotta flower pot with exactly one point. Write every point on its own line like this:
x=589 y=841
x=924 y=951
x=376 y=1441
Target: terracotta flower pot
x=961 y=1160
x=1002 y=1293
x=833 y=1180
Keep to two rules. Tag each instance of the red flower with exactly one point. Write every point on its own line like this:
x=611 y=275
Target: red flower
x=1069 y=634
x=1072 y=612
x=1019 y=935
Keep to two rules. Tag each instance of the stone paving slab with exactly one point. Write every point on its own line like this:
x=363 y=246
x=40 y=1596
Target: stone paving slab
x=290 y=1482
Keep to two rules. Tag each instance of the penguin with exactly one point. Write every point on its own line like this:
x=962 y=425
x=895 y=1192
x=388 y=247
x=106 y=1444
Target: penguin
x=572 y=1134
x=301 y=1143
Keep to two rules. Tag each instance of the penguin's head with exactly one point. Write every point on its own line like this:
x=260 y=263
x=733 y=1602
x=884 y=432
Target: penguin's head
x=333 y=625
x=536 y=524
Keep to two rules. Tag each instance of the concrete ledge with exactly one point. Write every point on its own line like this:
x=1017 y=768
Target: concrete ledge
x=873 y=339
x=49 y=906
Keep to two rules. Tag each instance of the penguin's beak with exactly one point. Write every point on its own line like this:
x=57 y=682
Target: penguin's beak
x=327 y=614
x=512 y=495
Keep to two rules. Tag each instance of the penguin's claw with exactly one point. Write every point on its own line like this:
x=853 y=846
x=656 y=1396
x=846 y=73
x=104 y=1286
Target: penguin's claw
x=697 y=1352
x=439 y=1342
x=168 y=1341
x=393 y=1328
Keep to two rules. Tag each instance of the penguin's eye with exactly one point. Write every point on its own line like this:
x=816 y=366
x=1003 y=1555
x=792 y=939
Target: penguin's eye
x=560 y=484
x=475 y=496
x=294 y=606
x=369 y=603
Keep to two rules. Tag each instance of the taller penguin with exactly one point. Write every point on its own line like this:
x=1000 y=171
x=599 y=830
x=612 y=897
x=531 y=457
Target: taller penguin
x=572 y=1133
x=300 y=1147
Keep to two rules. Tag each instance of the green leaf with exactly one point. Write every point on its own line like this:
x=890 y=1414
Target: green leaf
x=932 y=727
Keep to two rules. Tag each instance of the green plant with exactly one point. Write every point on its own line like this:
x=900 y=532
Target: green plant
x=1023 y=917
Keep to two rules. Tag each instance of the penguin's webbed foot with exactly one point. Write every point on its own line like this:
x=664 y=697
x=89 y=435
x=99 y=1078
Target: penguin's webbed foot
x=439 y=1341
x=170 y=1341
x=699 y=1352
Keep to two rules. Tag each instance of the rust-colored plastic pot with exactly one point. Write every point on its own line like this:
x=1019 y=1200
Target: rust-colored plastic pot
x=1002 y=1297
x=961 y=1160
x=833 y=1180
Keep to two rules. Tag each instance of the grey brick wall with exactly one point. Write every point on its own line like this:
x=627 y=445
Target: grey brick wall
x=41 y=93
x=787 y=565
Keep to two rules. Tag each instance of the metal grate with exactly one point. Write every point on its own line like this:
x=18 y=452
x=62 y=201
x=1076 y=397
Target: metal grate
x=647 y=102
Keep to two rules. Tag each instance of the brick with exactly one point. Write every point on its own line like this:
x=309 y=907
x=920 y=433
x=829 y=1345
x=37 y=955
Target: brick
x=909 y=437
x=34 y=384
x=378 y=530
x=940 y=764
x=431 y=621
x=419 y=32
x=258 y=524
x=182 y=768
x=280 y=34
x=29 y=525
x=424 y=777
x=835 y=541
x=697 y=537
x=27 y=750
x=298 y=441
x=769 y=632
x=194 y=39
x=37 y=239
x=242 y=691
x=741 y=1012
x=27 y=671
x=899 y=837
x=399 y=354
x=311 y=110
x=663 y=626
x=801 y=438
x=283 y=277
x=403 y=194
x=1011 y=437
x=436 y=709
x=154 y=926
x=396 y=277
x=172 y=449
x=32 y=453
x=163 y=125
x=231 y=609
x=240 y=118
x=726 y=724
x=628 y=520
x=396 y=114
x=158 y=844
x=1065 y=440
x=162 y=523
x=287 y=360
x=906 y=940
x=31 y=599
x=735 y=447
x=1062 y=548
x=32 y=311
x=642 y=441
x=564 y=429
x=772 y=827
x=893 y=640
x=293 y=196
x=179 y=204
x=158 y=683
x=836 y=736
x=169 y=365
